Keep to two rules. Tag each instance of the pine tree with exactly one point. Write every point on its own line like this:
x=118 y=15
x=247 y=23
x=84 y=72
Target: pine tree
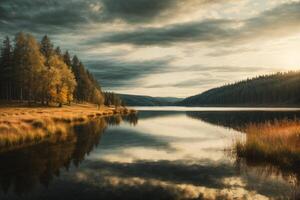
x=19 y=60
x=47 y=49
x=58 y=51
x=67 y=59
x=76 y=72
x=38 y=72
x=6 y=70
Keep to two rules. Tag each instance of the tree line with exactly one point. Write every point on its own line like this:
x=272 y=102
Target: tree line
x=280 y=89
x=37 y=72
x=111 y=98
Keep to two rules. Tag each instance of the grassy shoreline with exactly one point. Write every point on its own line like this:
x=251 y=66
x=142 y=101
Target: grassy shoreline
x=20 y=124
x=277 y=143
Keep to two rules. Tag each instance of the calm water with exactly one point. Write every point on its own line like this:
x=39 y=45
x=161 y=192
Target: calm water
x=160 y=154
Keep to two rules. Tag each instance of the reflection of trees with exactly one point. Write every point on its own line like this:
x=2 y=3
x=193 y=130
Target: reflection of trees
x=23 y=169
x=131 y=118
x=239 y=119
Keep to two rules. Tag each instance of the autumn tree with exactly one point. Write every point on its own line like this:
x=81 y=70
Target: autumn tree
x=60 y=82
x=37 y=72
x=98 y=97
x=33 y=68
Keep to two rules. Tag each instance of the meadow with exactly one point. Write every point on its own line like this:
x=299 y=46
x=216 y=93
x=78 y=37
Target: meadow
x=30 y=125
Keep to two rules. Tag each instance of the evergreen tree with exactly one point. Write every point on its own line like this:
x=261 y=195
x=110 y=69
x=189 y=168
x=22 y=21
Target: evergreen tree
x=67 y=59
x=47 y=49
x=6 y=70
x=19 y=60
x=38 y=72
x=85 y=82
x=58 y=51
x=111 y=99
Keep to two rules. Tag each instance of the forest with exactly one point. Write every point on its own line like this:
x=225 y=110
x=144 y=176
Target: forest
x=40 y=73
x=279 y=89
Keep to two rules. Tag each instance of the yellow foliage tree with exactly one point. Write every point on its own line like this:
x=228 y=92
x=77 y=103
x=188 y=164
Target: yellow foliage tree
x=98 y=97
x=33 y=68
x=60 y=81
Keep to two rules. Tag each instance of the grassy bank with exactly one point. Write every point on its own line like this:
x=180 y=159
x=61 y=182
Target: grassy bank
x=276 y=143
x=19 y=124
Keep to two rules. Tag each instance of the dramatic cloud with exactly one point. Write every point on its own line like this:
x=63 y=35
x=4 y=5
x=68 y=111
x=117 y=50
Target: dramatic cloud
x=112 y=73
x=206 y=31
x=137 y=11
x=165 y=47
x=282 y=20
x=61 y=15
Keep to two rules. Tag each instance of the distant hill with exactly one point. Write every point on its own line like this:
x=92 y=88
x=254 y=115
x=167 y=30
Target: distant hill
x=139 y=100
x=280 y=89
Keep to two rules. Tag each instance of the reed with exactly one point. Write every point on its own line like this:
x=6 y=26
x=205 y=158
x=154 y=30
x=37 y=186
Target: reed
x=275 y=142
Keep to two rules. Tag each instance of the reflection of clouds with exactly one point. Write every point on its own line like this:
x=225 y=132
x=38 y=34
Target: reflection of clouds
x=126 y=143
x=172 y=137
x=269 y=177
x=165 y=180
x=197 y=169
x=204 y=173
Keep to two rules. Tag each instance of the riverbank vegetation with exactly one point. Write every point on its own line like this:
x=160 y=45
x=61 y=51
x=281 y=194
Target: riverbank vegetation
x=35 y=77
x=275 y=143
x=19 y=125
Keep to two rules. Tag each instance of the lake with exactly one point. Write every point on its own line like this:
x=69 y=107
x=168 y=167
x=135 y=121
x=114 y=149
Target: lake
x=163 y=153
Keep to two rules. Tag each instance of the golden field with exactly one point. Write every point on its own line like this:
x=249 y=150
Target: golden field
x=19 y=124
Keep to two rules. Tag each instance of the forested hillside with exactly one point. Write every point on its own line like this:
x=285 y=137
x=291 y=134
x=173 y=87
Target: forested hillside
x=38 y=72
x=280 y=89
x=139 y=100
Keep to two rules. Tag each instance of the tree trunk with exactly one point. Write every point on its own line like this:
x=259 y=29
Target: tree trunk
x=21 y=94
x=10 y=90
x=29 y=97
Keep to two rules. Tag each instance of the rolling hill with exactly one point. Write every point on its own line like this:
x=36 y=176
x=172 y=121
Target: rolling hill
x=139 y=100
x=280 y=89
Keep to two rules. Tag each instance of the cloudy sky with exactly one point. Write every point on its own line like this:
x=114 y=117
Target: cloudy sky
x=166 y=47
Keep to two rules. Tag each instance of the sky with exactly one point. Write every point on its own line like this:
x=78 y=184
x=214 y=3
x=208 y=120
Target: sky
x=165 y=48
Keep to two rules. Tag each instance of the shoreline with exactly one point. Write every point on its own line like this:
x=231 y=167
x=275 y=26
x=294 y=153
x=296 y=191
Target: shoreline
x=21 y=125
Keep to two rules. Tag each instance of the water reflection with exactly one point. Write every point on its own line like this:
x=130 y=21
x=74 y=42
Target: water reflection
x=23 y=169
x=157 y=155
x=239 y=119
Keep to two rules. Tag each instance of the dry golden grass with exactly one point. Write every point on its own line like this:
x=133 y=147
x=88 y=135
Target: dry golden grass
x=33 y=124
x=277 y=143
